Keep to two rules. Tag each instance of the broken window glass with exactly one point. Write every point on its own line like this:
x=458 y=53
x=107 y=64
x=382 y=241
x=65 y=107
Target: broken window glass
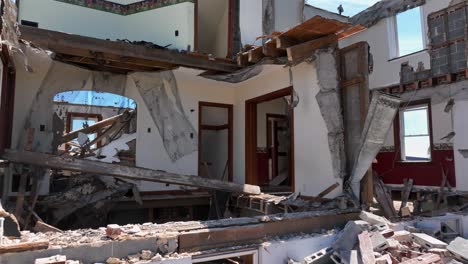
x=409 y=32
x=415 y=133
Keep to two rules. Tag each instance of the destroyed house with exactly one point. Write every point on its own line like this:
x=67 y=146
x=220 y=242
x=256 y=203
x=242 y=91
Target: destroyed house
x=213 y=131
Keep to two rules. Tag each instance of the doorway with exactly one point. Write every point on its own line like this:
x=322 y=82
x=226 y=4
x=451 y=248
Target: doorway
x=215 y=138
x=270 y=141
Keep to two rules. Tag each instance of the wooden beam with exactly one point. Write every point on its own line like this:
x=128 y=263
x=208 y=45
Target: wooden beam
x=108 y=63
x=307 y=49
x=283 y=42
x=270 y=49
x=212 y=238
x=132 y=173
x=88 y=47
x=243 y=59
x=91 y=129
x=256 y=54
x=21 y=247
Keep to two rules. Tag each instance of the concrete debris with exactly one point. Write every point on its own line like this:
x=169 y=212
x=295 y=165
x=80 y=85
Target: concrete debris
x=382 y=242
x=459 y=248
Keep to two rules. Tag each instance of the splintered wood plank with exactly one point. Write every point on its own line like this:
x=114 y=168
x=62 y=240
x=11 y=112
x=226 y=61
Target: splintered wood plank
x=76 y=45
x=366 y=248
x=328 y=190
x=21 y=247
x=132 y=173
x=307 y=49
x=384 y=199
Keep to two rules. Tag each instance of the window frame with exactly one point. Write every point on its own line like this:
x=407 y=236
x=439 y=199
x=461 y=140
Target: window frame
x=398 y=132
x=71 y=115
x=394 y=41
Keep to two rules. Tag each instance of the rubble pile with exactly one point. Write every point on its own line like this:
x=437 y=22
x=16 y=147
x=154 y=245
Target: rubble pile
x=374 y=239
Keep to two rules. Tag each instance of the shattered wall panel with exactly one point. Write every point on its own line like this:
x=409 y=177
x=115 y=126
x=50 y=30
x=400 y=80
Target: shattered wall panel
x=41 y=111
x=161 y=95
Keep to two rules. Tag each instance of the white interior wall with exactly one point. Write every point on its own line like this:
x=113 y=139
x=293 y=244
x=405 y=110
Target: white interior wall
x=215 y=143
x=157 y=25
x=276 y=106
x=386 y=68
x=288 y=14
x=213 y=20
x=461 y=143
x=313 y=165
x=312 y=158
x=250 y=21
x=150 y=148
x=215 y=151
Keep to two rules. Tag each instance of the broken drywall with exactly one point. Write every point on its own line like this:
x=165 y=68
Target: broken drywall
x=384 y=9
x=382 y=111
x=161 y=95
x=330 y=106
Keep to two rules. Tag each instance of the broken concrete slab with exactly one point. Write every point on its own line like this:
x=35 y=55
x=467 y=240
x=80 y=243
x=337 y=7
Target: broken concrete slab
x=459 y=248
x=427 y=241
x=348 y=237
x=58 y=259
x=374 y=219
x=402 y=236
x=379 y=242
x=320 y=257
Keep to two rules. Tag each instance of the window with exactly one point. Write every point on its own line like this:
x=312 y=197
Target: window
x=409 y=32
x=415 y=138
x=78 y=121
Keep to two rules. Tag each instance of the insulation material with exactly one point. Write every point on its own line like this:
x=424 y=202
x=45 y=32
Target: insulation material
x=382 y=111
x=161 y=95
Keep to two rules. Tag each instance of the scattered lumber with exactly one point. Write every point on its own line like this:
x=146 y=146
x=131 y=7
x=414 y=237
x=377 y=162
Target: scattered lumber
x=22 y=247
x=132 y=173
x=383 y=197
x=328 y=190
x=94 y=128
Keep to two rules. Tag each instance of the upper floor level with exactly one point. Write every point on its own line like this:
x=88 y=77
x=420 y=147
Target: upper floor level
x=414 y=34
x=217 y=27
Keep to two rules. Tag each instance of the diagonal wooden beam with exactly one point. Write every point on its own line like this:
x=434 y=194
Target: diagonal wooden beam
x=91 y=129
x=132 y=173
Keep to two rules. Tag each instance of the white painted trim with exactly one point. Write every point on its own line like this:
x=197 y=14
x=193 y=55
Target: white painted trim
x=392 y=38
x=228 y=255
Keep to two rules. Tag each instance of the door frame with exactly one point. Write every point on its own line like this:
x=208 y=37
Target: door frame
x=251 y=134
x=230 y=108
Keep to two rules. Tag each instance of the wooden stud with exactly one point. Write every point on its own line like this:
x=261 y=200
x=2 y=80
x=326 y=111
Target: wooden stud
x=256 y=54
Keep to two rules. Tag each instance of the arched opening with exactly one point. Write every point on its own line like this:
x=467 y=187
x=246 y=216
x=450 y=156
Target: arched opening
x=96 y=125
